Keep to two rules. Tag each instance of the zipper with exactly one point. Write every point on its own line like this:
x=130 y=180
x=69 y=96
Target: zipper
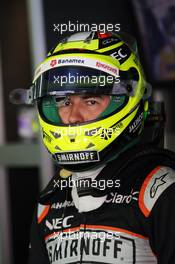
x=82 y=240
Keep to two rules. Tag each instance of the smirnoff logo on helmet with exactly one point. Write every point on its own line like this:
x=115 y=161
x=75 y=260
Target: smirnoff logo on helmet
x=78 y=156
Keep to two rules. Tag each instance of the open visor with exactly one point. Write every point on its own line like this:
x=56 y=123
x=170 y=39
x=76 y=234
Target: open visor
x=68 y=80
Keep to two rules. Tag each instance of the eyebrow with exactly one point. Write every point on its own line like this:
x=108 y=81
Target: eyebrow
x=91 y=95
x=83 y=96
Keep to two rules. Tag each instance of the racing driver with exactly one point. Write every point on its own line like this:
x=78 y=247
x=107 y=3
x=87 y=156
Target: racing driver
x=112 y=197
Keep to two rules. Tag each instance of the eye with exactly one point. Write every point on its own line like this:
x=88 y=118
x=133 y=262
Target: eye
x=92 y=101
x=66 y=101
x=62 y=101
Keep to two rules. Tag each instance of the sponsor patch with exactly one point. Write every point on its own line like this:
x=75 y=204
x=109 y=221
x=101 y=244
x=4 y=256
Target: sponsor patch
x=154 y=185
x=62 y=205
x=67 y=61
x=134 y=125
x=107 y=67
x=78 y=156
x=118 y=198
x=121 y=53
x=98 y=246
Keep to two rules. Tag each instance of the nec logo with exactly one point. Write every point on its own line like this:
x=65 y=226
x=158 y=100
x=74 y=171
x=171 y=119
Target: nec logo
x=121 y=53
x=58 y=223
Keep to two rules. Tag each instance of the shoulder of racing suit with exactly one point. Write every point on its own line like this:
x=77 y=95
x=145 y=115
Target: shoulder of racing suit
x=151 y=170
x=154 y=185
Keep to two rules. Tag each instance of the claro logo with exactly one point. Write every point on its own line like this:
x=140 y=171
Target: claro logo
x=121 y=198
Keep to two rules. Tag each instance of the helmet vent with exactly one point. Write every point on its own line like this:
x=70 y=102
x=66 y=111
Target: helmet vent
x=90 y=145
x=56 y=135
x=58 y=148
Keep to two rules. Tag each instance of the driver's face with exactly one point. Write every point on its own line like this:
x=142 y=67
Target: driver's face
x=76 y=109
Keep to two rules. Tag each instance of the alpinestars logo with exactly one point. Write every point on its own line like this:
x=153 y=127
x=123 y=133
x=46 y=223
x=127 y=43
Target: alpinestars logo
x=157 y=183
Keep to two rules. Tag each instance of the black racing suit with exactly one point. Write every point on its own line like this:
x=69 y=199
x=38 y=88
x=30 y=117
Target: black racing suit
x=135 y=224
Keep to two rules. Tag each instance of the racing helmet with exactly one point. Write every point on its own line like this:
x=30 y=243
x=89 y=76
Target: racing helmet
x=99 y=64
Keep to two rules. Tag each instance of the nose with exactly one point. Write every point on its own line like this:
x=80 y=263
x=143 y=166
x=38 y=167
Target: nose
x=76 y=115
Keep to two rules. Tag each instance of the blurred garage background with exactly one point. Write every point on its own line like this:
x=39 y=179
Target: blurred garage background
x=28 y=30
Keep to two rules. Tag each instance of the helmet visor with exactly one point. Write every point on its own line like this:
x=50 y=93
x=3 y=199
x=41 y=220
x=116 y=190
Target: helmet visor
x=66 y=80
